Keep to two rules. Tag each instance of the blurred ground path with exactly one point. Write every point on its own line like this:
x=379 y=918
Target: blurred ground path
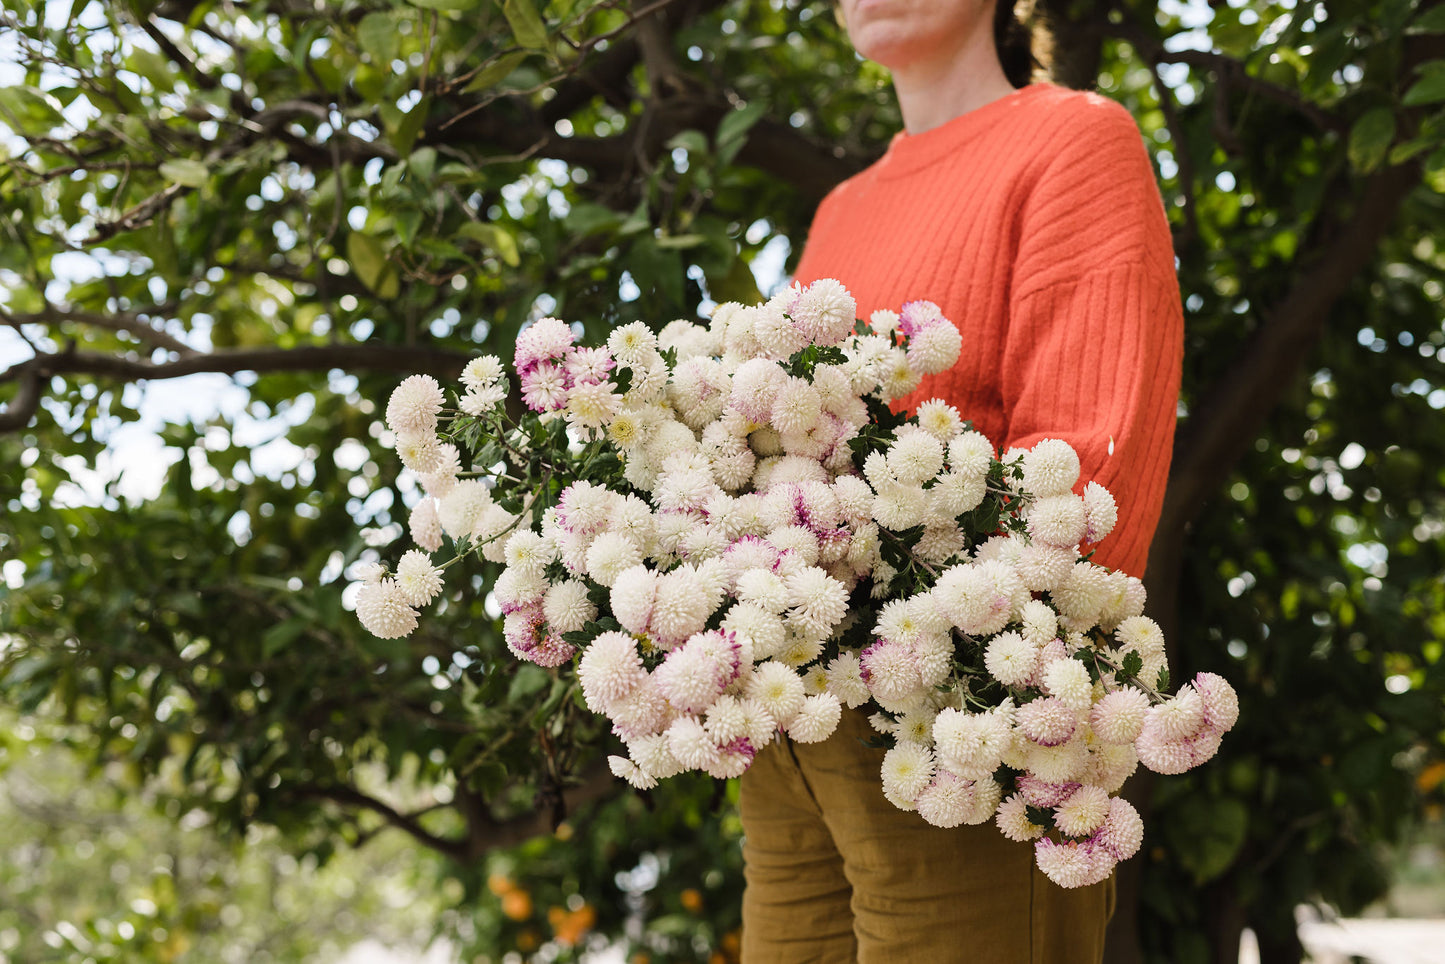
x=1377 y=940
x=1372 y=940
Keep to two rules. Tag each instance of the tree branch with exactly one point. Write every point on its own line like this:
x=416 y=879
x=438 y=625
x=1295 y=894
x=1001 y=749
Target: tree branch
x=1227 y=418
x=1224 y=424
x=483 y=832
x=34 y=372
x=127 y=322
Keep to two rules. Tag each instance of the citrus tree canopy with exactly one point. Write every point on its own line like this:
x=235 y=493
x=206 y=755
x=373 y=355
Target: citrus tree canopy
x=305 y=201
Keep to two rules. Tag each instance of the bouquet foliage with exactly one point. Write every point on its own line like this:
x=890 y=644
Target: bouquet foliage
x=727 y=534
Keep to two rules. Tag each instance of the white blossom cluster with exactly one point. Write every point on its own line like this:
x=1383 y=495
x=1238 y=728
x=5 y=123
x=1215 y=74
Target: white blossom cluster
x=762 y=553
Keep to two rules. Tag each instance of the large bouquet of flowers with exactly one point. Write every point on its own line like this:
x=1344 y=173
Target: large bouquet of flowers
x=727 y=534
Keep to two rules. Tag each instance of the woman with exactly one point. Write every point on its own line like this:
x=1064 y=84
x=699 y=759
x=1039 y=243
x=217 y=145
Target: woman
x=1030 y=214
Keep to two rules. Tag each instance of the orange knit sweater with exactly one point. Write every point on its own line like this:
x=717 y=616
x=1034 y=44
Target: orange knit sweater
x=1036 y=224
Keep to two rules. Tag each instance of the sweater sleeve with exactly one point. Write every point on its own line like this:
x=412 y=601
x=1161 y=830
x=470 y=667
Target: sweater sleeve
x=1094 y=343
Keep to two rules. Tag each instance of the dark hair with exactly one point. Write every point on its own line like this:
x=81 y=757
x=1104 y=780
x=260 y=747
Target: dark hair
x=1022 y=49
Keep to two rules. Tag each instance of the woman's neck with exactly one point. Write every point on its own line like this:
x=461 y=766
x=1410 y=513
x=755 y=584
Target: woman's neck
x=933 y=92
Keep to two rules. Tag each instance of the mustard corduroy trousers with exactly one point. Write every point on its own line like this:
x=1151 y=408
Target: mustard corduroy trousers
x=836 y=874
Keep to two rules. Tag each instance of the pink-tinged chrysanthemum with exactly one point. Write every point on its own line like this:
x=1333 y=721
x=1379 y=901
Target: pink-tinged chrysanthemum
x=916 y=315
x=733 y=759
x=414 y=405
x=1163 y=756
x=1042 y=793
x=588 y=366
x=551 y=651
x=610 y=668
x=1221 y=703
x=1013 y=820
x=383 y=610
x=1178 y=718
x=640 y=713
x=544 y=387
x=1118 y=718
x=891 y=670
x=750 y=552
x=754 y=387
x=541 y=341
x=946 y=801
x=586 y=508
x=522 y=628
x=935 y=347
x=1047 y=722
x=1072 y=864
x=1123 y=830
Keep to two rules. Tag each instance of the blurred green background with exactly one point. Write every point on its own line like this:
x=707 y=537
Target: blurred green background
x=228 y=229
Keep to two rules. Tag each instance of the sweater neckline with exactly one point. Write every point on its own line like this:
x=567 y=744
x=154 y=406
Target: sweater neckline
x=908 y=153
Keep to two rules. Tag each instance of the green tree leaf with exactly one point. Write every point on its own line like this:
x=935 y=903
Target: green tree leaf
x=368 y=259
x=186 y=172
x=527 y=26
x=1370 y=138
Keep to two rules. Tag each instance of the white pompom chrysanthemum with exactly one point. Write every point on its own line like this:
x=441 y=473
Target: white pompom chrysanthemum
x=907 y=769
x=1119 y=716
x=1013 y=820
x=1010 y=659
x=417 y=579
x=627 y=770
x=1100 y=512
x=383 y=610
x=567 y=607
x=844 y=676
x=777 y=688
x=1083 y=812
x=414 y=405
x=1051 y=467
x=1068 y=679
x=425 y=525
x=690 y=745
x=817 y=719
x=818 y=600
x=915 y=458
x=1057 y=520
x=610 y=669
